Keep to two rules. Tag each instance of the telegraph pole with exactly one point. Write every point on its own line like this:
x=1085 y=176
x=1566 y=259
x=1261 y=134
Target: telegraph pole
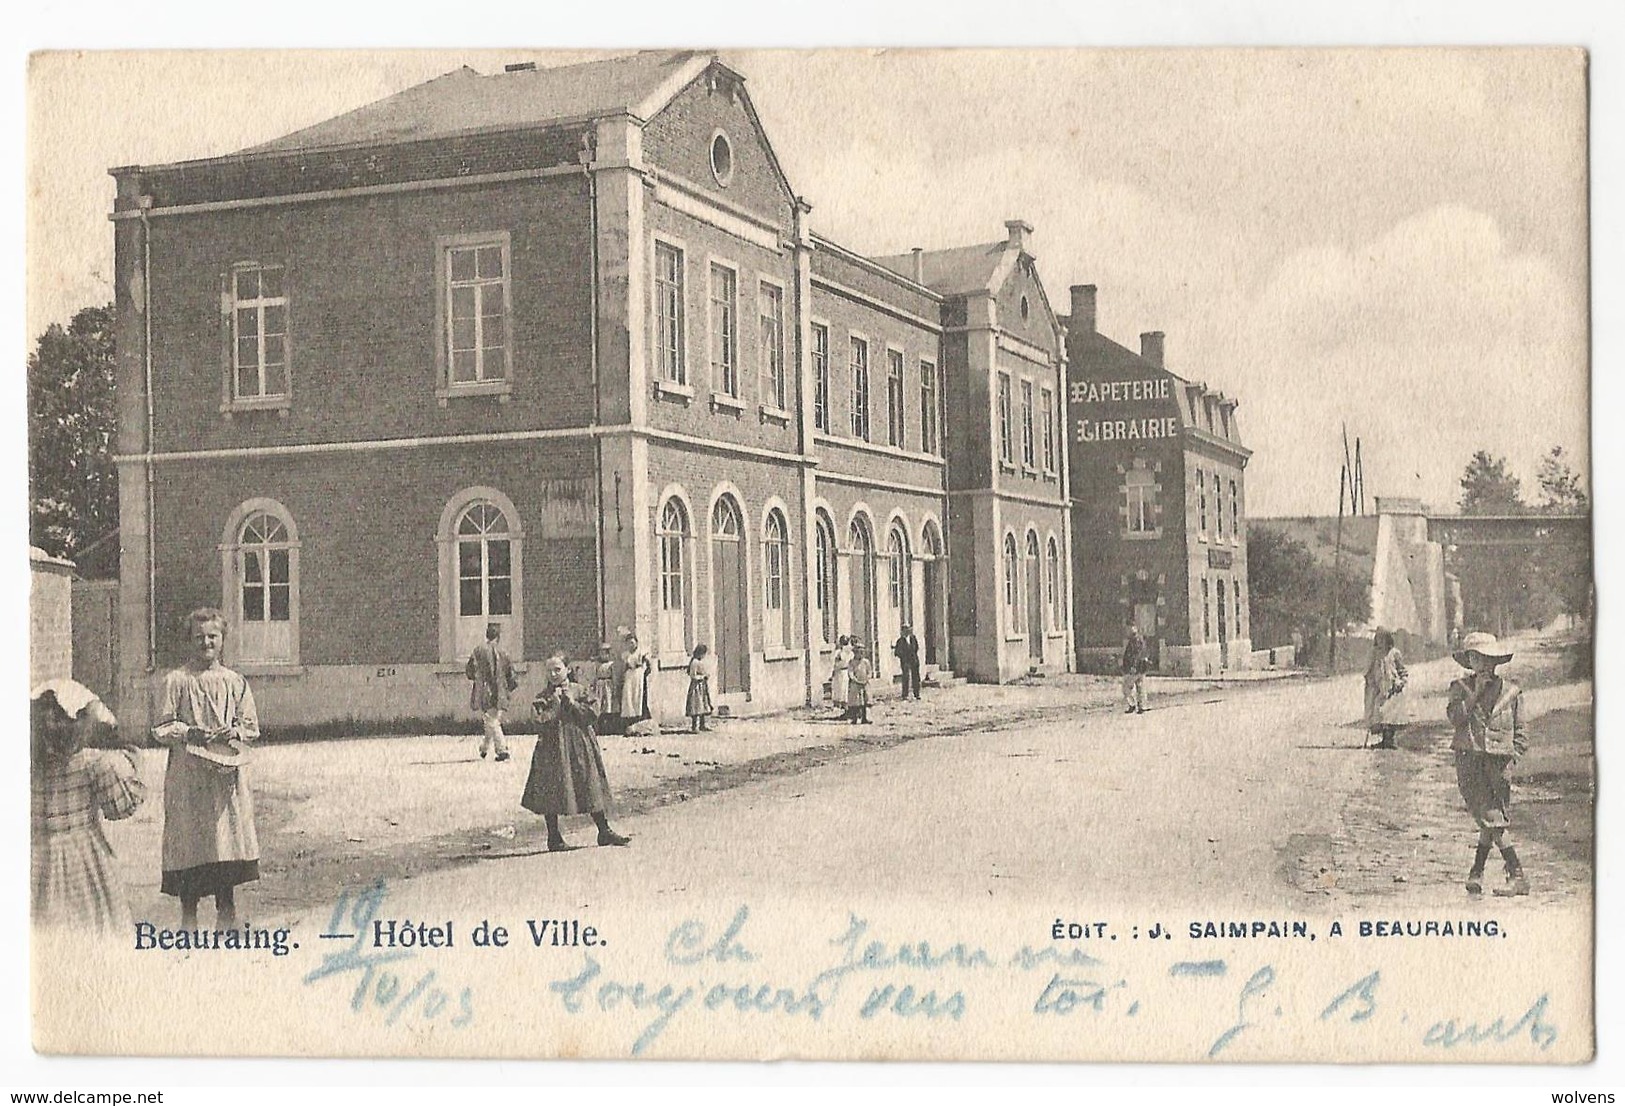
x=1344 y=478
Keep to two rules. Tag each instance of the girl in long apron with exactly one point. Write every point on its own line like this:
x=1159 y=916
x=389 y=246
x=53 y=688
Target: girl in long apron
x=702 y=667
x=840 y=677
x=209 y=841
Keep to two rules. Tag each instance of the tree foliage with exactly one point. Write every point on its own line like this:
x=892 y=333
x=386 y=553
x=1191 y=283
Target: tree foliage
x=72 y=481
x=1292 y=591
x=1488 y=487
x=1560 y=490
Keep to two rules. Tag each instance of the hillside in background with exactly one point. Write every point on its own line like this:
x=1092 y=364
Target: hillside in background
x=1320 y=535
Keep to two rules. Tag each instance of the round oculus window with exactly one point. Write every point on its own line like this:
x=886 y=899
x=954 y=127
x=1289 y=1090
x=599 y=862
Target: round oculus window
x=722 y=158
x=1026 y=309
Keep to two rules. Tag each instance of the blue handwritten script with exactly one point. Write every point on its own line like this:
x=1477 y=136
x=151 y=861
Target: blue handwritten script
x=378 y=988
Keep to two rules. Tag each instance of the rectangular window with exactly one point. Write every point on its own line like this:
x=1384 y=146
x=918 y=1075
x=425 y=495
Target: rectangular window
x=1046 y=410
x=1235 y=513
x=1236 y=590
x=1007 y=447
x=669 y=337
x=1028 y=446
x=775 y=385
x=860 y=389
x=259 y=332
x=477 y=312
x=1140 y=499
x=894 y=397
x=1201 y=503
x=1218 y=507
x=820 y=365
x=928 y=407
x=1207 y=611
x=724 y=336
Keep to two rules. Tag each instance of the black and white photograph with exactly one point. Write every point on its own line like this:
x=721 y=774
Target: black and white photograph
x=983 y=554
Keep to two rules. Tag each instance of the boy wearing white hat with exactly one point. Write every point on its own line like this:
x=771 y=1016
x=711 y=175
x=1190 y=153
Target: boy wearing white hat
x=1487 y=711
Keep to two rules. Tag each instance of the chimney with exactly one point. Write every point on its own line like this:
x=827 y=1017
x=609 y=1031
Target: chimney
x=520 y=67
x=1083 y=308
x=919 y=265
x=1151 y=347
x=1019 y=230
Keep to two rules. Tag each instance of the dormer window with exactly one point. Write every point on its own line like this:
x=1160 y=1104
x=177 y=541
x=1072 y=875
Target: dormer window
x=722 y=159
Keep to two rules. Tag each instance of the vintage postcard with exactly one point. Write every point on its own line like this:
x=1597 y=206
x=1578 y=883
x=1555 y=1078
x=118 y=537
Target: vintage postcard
x=912 y=554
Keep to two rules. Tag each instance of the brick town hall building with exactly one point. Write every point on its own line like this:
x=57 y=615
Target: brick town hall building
x=558 y=349
x=1158 y=507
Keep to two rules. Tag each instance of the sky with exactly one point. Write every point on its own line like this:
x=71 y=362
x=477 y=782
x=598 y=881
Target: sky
x=1393 y=240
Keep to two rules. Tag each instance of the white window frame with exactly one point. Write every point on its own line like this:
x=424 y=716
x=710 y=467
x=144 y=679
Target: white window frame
x=1029 y=439
x=821 y=376
x=674 y=630
x=896 y=400
x=776 y=580
x=1140 y=497
x=860 y=369
x=1046 y=403
x=446 y=539
x=258 y=304
x=1235 y=514
x=485 y=382
x=231 y=582
x=930 y=408
x=724 y=372
x=675 y=372
x=1052 y=579
x=771 y=351
x=900 y=572
x=826 y=564
x=1010 y=556
x=1007 y=430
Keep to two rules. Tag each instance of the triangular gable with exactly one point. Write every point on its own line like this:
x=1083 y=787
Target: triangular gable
x=672 y=90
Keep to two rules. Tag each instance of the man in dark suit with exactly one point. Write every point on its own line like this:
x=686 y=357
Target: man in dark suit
x=907 y=651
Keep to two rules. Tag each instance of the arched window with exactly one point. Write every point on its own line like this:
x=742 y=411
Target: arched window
x=900 y=586
x=260 y=567
x=824 y=580
x=1012 y=584
x=861 y=548
x=1057 y=594
x=480 y=573
x=674 y=535
x=776 y=580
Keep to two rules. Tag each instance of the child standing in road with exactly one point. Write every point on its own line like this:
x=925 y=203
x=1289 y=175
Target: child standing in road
x=701 y=668
x=1487 y=712
x=209 y=841
x=858 y=677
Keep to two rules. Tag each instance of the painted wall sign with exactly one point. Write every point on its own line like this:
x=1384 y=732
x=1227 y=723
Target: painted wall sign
x=1124 y=391
x=1220 y=558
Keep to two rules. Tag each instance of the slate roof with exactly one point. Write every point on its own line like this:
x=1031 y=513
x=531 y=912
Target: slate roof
x=951 y=272
x=464 y=100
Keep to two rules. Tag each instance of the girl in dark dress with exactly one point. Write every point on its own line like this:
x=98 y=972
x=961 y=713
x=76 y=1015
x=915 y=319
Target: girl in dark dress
x=567 y=768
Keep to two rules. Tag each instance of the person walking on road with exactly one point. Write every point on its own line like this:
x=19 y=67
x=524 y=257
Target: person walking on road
x=567 y=768
x=907 y=651
x=702 y=668
x=1385 y=678
x=491 y=671
x=840 y=678
x=207 y=717
x=1487 y=712
x=1136 y=662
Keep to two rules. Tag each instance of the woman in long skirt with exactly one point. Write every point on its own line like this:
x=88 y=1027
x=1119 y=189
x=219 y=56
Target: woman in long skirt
x=1386 y=710
x=567 y=768
x=702 y=668
x=209 y=841
x=840 y=676
x=80 y=776
x=636 y=664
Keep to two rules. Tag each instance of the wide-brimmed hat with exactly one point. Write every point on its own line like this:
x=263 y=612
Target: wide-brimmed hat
x=1485 y=645
x=227 y=752
x=74 y=698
